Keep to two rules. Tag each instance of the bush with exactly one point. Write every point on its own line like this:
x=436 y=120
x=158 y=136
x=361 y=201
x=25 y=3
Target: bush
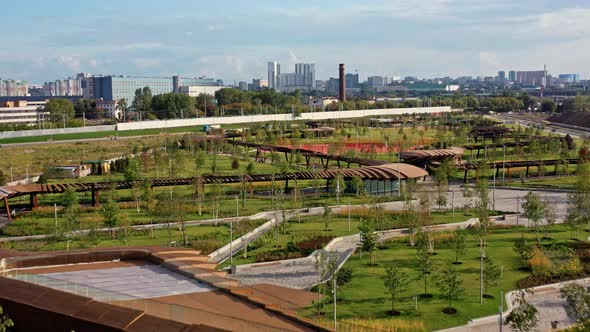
x=540 y=264
x=206 y=246
x=573 y=267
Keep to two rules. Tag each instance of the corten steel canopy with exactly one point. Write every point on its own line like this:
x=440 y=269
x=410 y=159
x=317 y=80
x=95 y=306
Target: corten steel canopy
x=369 y=170
x=423 y=157
x=382 y=172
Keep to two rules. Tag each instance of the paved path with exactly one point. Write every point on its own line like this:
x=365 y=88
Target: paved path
x=546 y=299
x=301 y=273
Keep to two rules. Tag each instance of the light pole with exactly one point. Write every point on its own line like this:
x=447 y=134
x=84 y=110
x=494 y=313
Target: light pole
x=334 y=293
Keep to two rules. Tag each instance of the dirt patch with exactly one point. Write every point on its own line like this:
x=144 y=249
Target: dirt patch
x=315 y=243
x=581 y=119
x=450 y=311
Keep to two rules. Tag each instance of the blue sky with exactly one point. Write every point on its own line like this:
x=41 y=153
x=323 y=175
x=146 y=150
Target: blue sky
x=233 y=40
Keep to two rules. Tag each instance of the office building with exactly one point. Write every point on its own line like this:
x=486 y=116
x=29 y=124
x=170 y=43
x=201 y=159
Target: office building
x=115 y=88
x=352 y=81
x=333 y=84
x=196 y=90
x=501 y=76
x=569 y=78
x=23 y=112
x=274 y=70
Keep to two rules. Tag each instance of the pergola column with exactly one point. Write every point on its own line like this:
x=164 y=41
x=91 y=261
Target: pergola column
x=33 y=201
x=7 y=208
x=95 y=198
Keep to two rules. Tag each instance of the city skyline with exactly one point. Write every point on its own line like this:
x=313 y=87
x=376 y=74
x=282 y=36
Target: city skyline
x=432 y=39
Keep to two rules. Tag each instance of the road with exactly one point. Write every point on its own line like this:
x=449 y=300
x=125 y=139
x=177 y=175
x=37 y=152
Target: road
x=507 y=118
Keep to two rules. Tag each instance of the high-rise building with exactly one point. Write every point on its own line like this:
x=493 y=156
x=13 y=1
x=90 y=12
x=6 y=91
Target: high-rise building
x=536 y=77
x=302 y=79
x=569 y=78
x=274 y=70
x=352 y=81
x=306 y=73
x=12 y=88
x=512 y=76
x=501 y=76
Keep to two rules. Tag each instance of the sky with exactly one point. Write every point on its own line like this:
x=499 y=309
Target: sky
x=234 y=39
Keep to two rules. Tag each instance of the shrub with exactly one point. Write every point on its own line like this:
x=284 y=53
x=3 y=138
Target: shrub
x=344 y=275
x=540 y=264
x=206 y=246
x=573 y=267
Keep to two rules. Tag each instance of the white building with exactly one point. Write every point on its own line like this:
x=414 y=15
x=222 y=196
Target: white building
x=22 y=112
x=274 y=70
x=111 y=109
x=196 y=90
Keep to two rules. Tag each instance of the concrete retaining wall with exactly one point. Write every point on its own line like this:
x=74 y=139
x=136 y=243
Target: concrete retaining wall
x=277 y=117
x=56 y=131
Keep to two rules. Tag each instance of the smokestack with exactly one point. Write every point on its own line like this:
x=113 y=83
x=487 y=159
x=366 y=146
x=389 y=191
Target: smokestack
x=342 y=78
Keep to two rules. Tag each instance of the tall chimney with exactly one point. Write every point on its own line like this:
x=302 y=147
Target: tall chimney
x=342 y=78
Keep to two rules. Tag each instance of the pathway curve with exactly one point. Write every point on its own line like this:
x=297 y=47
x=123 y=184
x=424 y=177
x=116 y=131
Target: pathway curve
x=546 y=299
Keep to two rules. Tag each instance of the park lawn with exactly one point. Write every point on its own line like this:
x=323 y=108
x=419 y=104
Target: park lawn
x=101 y=134
x=338 y=226
x=162 y=237
x=42 y=221
x=365 y=295
x=308 y=226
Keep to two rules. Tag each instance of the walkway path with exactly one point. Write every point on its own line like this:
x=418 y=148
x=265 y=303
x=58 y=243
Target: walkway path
x=546 y=299
x=301 y=273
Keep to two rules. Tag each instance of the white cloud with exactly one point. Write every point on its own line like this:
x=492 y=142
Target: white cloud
x=71 y=62
x=144 y=63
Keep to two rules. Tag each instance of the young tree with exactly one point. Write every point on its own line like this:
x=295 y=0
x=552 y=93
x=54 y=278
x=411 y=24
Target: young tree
x=395 y=282
x=492 y=273
x=524 y=315
x=451 y=286
x=5 y=322
x=424 y=269
x=327 y=217
x=577 y=304
x=550 y=216
x=326 y=264
x=368 y=238
x=524 y=250
x=482 y=211
x=459 y=243
x=71 y=210
x=111 y=213
x=533 y=210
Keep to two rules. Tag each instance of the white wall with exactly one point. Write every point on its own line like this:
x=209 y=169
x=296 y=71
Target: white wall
x=46 y=132
x=277 y=117
x=225 y=120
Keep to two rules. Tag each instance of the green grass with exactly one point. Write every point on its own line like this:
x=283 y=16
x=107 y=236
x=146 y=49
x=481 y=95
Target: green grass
x=101 y=134
x=337 y=227
x=365 y=295
x=136 y=238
